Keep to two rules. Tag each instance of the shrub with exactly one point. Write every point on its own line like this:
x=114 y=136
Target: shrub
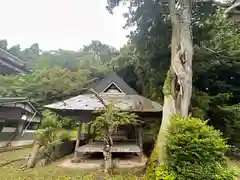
x=196 y=151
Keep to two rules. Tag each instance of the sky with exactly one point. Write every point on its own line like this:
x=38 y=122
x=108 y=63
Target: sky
x=65 y=24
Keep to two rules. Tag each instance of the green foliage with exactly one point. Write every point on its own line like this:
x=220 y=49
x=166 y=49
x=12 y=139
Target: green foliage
x=196 y=150
x=44 y=84
x=215 y=65
x=50 y=135
x=48 y=131
x=163 y=174
x=112 y=118
x=59 y=58
x=56 y=74
x=167 y=88
x=151 y=130
x=151 y=172
x=101 y=52
x=68 y=123
x=216 y=76
x=230 y=115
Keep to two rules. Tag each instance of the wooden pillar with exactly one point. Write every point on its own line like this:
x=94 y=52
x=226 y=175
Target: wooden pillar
x=78 y=141
x=140 y=141
x=88 y=133
x=94 y=133
x=136 y=134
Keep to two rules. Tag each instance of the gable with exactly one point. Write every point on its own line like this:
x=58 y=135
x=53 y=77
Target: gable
x=113 y=83
x=112 y=89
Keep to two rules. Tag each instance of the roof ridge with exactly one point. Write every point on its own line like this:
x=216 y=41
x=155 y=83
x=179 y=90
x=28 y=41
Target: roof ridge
x=15 y=59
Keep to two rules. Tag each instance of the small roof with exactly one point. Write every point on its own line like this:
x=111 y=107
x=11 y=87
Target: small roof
x=8 y=101
x=101 y=85
x=89 y=102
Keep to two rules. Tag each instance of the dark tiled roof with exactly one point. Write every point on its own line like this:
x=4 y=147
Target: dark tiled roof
x=100 y=85
x=11 y=63
x=12 y=100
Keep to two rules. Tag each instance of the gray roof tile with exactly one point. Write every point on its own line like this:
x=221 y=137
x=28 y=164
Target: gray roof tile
x=89 y=102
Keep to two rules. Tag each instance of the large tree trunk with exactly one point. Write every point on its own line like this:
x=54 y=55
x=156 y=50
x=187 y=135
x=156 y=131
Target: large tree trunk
x=178 y=84
x=108 y=142
x=33 y=157
x=37 y=153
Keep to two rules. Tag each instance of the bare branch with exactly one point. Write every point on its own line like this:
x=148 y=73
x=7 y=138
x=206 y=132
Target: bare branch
x=218 y=53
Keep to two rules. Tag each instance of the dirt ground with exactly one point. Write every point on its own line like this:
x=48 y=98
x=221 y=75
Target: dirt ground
x=96 y=161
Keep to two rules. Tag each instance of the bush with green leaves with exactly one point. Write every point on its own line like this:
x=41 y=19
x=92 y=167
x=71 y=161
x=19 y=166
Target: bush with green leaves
x=196 y=150
x=48 y=137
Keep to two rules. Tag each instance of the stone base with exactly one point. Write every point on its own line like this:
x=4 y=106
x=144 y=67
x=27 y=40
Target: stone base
x=131 y=162
x=76 y=160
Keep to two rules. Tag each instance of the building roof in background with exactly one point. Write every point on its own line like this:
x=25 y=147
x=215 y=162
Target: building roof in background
x=10 y=64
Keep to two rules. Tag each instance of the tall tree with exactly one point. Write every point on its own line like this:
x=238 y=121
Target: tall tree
x=178 y=84
x=102 y=53
x=15 y=50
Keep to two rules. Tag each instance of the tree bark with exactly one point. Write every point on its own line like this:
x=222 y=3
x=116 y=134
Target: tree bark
x=37 y=153
x=108 y=142
x=178 y=84
x=33 y=157
x=168 y=110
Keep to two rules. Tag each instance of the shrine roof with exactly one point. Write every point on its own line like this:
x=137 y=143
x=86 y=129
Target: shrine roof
x=90 y=102
x=110 y=90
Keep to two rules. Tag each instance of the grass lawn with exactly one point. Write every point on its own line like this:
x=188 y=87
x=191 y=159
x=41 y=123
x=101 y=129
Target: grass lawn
x=53 y=172
x=13 y=155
